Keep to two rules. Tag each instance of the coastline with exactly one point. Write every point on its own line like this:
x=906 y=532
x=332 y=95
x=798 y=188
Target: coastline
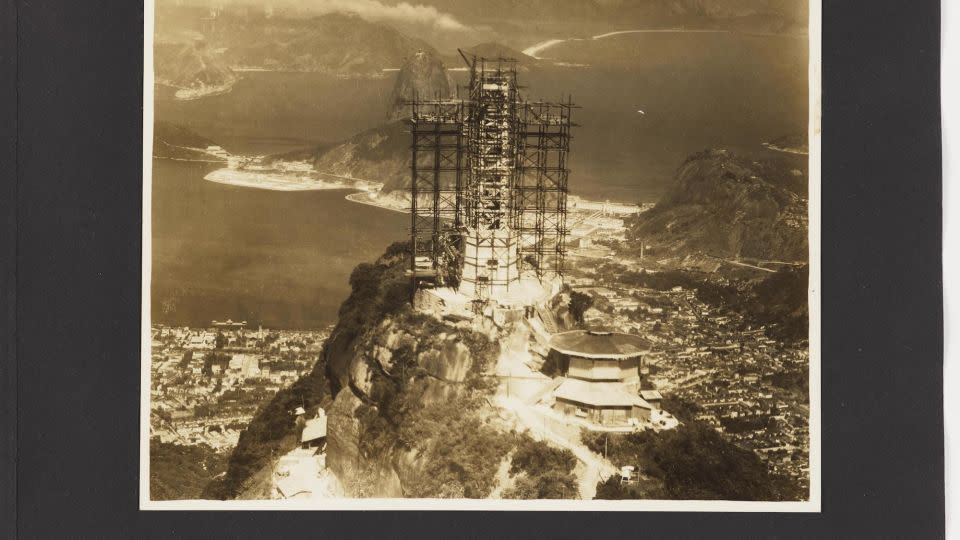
x=190 y=94
x=183 y=93
x=189 y=160
x=542 y=46
x=794 y=151
x=365 y=197
x=399 y=203
x=276 y=180
x=369 y=193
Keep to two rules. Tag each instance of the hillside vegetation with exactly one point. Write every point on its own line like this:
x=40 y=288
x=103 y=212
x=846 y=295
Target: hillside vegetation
x=182 y=472
x=690 y=462
x=726 y=206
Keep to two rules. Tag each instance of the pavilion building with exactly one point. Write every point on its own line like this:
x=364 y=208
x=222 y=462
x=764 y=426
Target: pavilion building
x=601 y=377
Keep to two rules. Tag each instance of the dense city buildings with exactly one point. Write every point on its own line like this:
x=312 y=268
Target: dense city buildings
x=751 y=387
x=207 y=383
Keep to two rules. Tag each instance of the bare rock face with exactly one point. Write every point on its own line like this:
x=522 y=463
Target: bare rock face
x=360 y=377
x=422 y=75
x=440 y=355
x=343 y=435
x=450 y=362
x=409 y=466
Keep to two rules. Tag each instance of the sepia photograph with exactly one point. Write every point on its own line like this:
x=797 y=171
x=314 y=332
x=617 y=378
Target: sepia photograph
x=464 y=254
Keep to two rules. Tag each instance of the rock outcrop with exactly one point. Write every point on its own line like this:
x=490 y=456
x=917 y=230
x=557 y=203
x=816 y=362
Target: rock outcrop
x=408 y=361
x=409 y=402
x=422 y=75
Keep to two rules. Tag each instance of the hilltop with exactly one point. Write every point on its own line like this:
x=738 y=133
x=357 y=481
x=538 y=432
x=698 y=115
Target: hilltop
x=380 y=154
x=413 y=410
x=407 y=400
x=191 y=68
x=422 y=75
x=726 y=206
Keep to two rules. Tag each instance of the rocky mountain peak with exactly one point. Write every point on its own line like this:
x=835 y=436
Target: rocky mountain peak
x=729 y=206
x=422 y=74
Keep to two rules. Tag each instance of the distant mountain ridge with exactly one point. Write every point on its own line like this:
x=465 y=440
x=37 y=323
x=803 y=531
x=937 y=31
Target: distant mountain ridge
x=766 y=16
x=340 y=44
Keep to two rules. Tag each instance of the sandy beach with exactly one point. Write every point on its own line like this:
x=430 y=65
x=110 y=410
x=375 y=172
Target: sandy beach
x=285 y=181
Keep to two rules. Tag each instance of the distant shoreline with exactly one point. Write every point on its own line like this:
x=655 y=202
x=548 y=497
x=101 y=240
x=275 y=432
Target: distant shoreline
x=395 y=203
x=364 y=197
x=183 y=93
x=368 y=192
x=276 y=180
x=786 y=150
x=541 y=46
x=189 y=160
x=537 y=48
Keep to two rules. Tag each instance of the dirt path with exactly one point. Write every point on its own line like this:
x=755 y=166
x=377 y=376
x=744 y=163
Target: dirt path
x=543 y=426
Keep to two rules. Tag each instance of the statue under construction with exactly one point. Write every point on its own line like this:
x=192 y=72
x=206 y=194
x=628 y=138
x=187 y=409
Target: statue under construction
x=489 y=193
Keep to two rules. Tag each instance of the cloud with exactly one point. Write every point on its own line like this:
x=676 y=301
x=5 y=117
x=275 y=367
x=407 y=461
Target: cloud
x=402 y=12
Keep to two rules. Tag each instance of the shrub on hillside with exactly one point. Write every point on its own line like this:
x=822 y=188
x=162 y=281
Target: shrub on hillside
x=694 y=462
x=579 y=304
x=180 y=472
x=543 y=472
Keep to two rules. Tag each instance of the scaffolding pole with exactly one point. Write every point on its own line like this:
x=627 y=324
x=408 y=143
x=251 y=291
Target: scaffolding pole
x=489 y=177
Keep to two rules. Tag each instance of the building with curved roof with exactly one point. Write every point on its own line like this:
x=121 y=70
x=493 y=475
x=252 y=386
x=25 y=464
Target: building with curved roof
x=602 y=376
x=594 y=344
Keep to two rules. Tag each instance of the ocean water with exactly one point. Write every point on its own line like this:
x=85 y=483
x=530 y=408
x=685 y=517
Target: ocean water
x=274 y=111
x=273 y=257
x=696 y=91
x=284 y=258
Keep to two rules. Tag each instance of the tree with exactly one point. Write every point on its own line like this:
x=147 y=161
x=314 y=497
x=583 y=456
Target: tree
x=186 y=359
x=579 y=304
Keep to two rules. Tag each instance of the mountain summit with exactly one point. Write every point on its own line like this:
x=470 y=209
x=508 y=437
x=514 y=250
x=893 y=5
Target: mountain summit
x=729 y=206
x=422 y=74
